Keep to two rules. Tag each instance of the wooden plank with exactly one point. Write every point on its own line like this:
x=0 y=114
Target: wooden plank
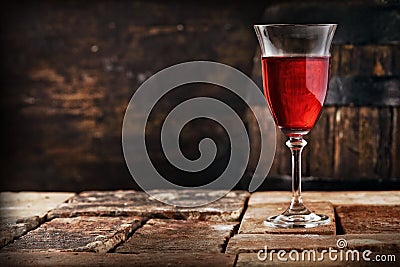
x=364 y=136
x=115 y=259
x=253 y=220
x=364 y=91
x=346 y=60
x=356 y=219
x=250 y=243
x=335 y=60
x=322 y=142
x=371 y=60
x=383 y=61
x=30 y=204
x=364 y=76
x=336 y=198
x=12 y=228
x=346 y=143
x=158 y=236
x=385 y=159
x=23 y=211
x=380 y=242
x=368 y=145
x=84 y=234
x=135 y=203
x=395 y=168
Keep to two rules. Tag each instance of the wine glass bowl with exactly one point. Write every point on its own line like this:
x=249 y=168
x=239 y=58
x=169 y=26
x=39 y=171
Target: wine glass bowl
x=295 y=70
x=295 y=88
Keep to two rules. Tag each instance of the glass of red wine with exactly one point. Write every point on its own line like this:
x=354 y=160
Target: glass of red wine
x=295 y=69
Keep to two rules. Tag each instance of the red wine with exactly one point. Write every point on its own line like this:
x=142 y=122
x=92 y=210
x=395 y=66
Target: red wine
x=295 y=89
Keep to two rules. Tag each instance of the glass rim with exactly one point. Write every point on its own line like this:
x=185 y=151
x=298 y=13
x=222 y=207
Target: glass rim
x=296 y=25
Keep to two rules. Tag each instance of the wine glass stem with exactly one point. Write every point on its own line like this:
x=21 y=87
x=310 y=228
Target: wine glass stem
x=296 y=145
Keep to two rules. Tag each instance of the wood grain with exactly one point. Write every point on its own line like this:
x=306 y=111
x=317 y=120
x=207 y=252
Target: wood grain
x=113 y=259
x=84 y=234
x=369 y=219
x=395 y=148
x=347 y=151
x=250 y=243
x=23 y=211
x=368 y=145
x=321 y=141
x=136 y=203
x=159 y=236
x=385 y=159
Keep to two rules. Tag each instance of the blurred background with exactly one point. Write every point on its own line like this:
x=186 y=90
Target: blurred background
x=69 y=69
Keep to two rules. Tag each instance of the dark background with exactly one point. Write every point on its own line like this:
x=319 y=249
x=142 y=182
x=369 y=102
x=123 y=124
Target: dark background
x=69 y=69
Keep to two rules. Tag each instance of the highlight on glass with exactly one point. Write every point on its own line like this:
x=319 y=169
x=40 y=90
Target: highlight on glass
x=295 y=70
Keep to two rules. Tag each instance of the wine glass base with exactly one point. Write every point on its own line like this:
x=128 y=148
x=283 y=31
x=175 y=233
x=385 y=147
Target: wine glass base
x=297 y=220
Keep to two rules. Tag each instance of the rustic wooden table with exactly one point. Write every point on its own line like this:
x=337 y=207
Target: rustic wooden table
x=118 y=228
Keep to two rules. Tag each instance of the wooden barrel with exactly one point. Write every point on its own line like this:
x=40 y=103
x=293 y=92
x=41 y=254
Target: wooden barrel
x=358 y=134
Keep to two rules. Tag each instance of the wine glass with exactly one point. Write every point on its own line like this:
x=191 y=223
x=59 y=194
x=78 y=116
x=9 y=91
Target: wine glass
x=295 y=68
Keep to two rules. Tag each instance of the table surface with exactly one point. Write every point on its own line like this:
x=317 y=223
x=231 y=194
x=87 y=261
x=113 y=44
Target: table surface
x=115 y=228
